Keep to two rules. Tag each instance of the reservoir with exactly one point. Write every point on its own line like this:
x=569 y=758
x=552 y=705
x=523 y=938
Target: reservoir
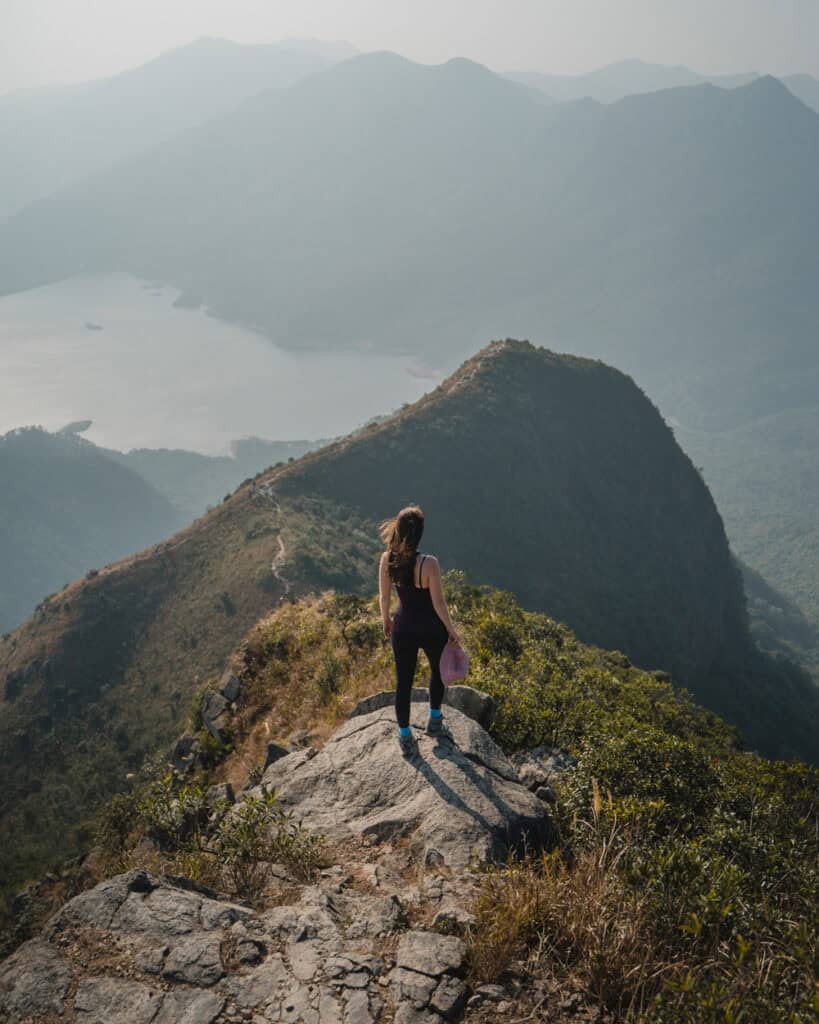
x=115 y=350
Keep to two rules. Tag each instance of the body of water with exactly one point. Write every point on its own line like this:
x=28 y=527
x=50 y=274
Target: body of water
x=114 y=350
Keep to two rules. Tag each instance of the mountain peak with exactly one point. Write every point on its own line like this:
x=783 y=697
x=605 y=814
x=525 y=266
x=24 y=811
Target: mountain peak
x=768 y=85
x=772 y=97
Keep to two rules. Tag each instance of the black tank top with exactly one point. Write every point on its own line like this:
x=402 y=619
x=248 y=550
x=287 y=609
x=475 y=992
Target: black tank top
x=416 y=612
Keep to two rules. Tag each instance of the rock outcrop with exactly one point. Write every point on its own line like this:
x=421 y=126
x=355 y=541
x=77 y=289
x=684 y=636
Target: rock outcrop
x=377 y=937
x=460 y=798
x=142 y=949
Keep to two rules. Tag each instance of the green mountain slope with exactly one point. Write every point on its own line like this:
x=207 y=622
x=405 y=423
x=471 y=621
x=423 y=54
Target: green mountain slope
x=764 y=479
x=66 y=508
x=591 y=512
x=551 y=476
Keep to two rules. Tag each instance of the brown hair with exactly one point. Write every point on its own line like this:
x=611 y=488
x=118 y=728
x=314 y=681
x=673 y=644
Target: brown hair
x=402 y=535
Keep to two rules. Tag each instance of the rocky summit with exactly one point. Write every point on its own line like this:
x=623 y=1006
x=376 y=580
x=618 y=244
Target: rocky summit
x=379 y=936
x=460 y=798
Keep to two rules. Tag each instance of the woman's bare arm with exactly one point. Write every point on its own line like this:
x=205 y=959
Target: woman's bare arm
x=436 y=592
x=385 y=594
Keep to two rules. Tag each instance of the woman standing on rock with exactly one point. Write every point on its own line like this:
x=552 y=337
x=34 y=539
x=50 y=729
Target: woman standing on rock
x=421 y=622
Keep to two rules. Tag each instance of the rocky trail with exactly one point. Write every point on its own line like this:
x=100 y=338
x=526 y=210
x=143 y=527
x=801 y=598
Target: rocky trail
x=379 y=937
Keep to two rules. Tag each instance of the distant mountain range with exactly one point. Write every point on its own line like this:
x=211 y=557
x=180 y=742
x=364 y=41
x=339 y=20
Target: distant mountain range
x=630 y=77
x=412 y=207
x=389 y=205
x=53 y=137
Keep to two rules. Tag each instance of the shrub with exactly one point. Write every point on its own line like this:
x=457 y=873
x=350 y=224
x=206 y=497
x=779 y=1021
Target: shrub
x=211 y=750
x=118 y=818
x=328 y=676
x=256 y=834
x=350 y=613
x=172 y=812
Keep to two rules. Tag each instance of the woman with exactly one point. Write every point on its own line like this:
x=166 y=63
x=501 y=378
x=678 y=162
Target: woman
x=421 y=621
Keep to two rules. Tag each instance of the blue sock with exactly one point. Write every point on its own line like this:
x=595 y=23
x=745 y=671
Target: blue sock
x=436 y=713
x=404 y=730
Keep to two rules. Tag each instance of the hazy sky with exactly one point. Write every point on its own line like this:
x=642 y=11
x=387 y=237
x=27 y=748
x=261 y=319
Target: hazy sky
x=44 y=41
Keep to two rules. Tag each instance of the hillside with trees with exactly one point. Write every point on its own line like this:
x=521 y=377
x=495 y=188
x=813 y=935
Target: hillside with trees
x=67 y=509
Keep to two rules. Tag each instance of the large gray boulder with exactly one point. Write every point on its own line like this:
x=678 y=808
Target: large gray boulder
x=138 y=903
x=471 y=702
x=458 y=799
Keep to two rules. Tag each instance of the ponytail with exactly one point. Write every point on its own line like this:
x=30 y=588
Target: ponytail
x=401 y=536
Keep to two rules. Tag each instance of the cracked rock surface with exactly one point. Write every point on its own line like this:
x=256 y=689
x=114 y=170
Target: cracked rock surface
x=459 y=798
x=143 y=949
x=377 y=938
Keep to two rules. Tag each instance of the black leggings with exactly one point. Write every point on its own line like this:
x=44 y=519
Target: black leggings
x=405 y=647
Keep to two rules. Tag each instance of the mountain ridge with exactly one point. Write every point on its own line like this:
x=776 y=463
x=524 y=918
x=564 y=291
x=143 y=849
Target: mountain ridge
x=629 y=77
x=58 y=136
x=614 y=532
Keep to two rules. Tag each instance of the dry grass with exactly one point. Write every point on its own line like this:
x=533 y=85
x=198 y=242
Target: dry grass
x=576 y=920
x=301 y=676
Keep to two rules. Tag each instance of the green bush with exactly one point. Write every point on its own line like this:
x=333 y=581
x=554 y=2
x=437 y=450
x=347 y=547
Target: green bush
x=211 y=750
x=328 y=676
x=231 y=847
x=256 y=834
x=686 y=884
x=118 y=818
x=172 y=811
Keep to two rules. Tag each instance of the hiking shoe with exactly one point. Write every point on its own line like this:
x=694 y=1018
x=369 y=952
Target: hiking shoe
x=436 y=727
x=408 y=745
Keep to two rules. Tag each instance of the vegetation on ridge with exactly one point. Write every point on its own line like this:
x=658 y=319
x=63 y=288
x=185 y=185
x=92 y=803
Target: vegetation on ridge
x=604 y=524
x=615 y=534
x=685 y=887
